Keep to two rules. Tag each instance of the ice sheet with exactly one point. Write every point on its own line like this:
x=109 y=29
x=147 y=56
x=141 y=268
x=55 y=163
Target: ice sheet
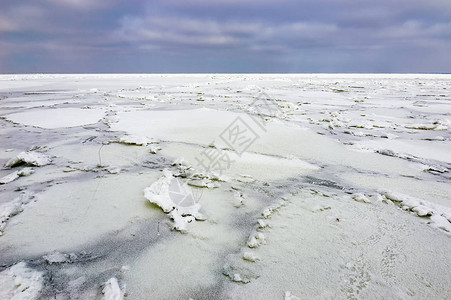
x=341 y=189
x=60 y=118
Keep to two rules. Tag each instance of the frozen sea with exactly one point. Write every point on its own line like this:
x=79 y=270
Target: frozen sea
x=225 y=186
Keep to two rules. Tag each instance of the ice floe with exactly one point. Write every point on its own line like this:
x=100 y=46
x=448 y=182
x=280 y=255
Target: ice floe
x=16 y=174
x=32 y=158
x=60 y=118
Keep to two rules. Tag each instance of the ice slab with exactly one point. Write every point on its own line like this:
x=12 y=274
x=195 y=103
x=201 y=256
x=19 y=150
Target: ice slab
x=174 y=198
x=204 y=126
x=16 y=174
x=88 y=204
x=31 y=158
x=252 y=165
x=57 y=118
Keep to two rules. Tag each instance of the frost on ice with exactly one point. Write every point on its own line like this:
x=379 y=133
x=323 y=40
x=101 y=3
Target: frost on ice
x=20 y=282
x=32 y=158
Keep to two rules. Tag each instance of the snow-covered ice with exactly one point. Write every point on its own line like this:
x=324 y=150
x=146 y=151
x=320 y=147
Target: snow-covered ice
x=12 y=208
x=219 y=186
x=112 y=291
x=16 y=174
x=135 y=140
x=175 y=199
x=19 y=282
x=31 y=158
x=63 y=117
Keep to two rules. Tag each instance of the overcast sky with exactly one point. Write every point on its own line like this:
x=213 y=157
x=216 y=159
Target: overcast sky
x=217 y=36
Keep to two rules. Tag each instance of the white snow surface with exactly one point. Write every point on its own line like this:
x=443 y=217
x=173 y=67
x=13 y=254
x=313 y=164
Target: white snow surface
x=19 y=282
x=112 y=291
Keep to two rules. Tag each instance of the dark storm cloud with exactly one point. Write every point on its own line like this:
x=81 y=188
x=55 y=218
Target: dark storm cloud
x=225 y=36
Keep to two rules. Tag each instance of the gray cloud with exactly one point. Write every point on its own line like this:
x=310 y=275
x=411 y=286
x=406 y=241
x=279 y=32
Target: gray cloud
x=81 y=4
x=22 y=18
x=226 y=36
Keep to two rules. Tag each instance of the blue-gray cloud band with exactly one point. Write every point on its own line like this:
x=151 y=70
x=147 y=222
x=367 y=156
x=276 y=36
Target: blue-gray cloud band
x=225 y=36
